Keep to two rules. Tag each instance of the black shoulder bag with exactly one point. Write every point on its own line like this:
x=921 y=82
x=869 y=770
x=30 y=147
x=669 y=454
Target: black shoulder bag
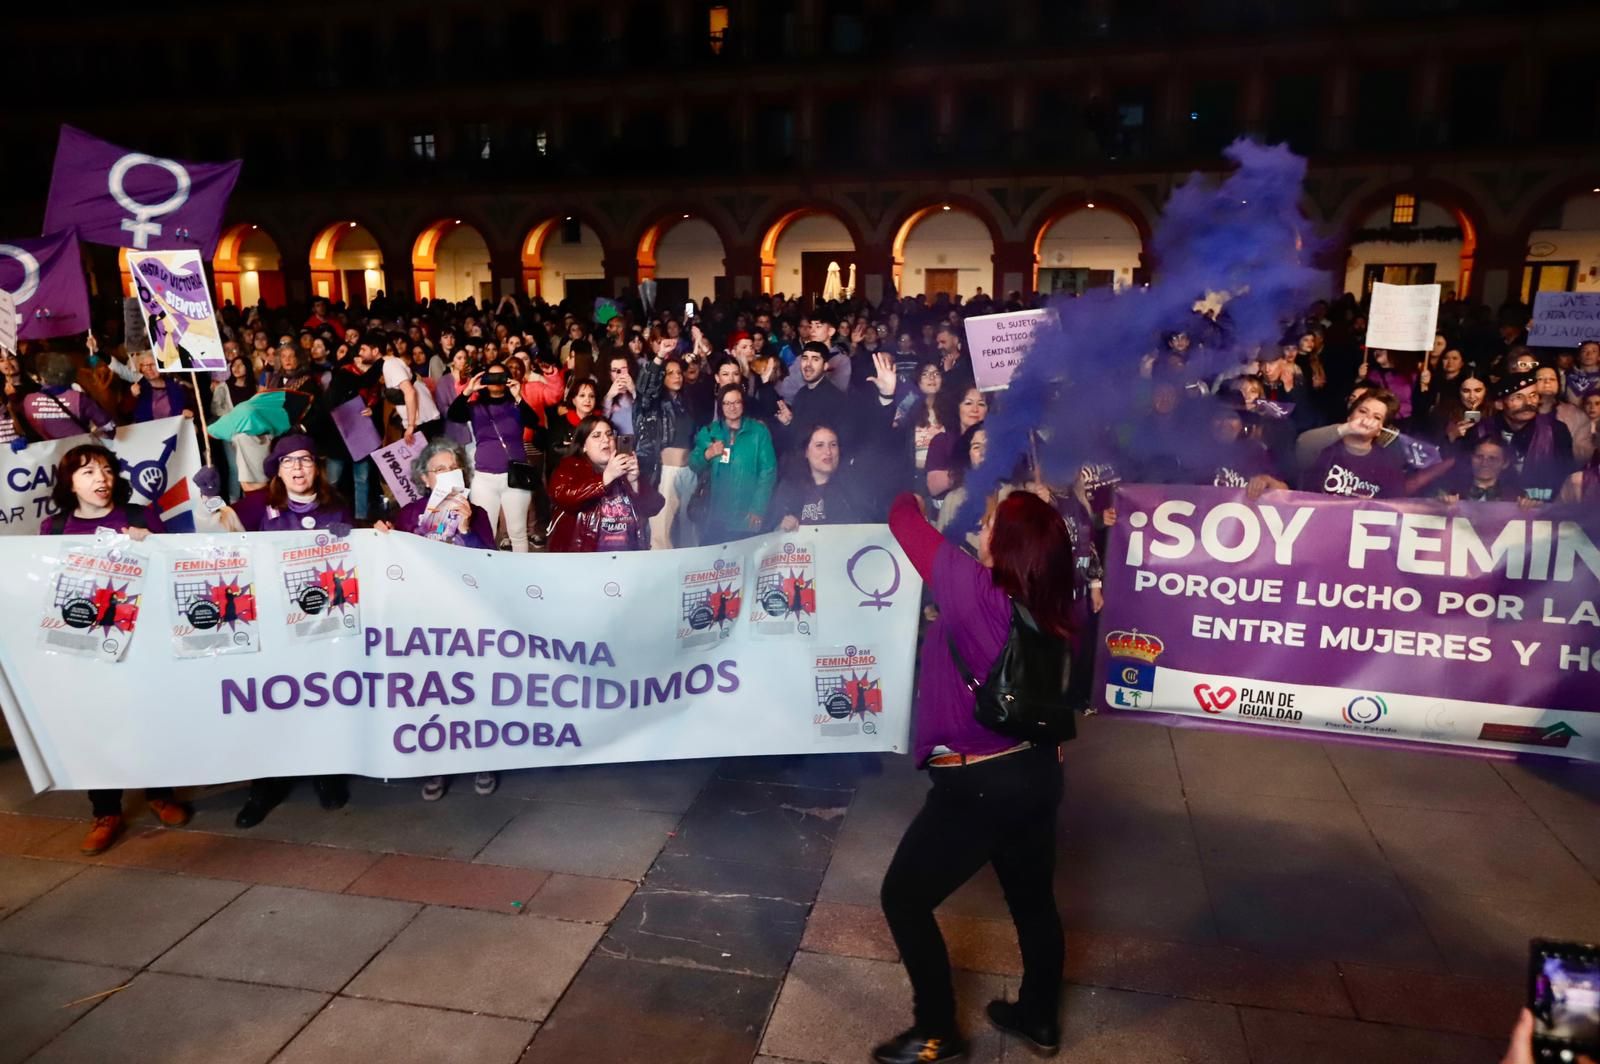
x=1024 y=696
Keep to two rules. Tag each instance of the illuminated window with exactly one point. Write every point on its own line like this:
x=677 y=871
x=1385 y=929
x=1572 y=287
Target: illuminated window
x=1405 y=210
x=541 y=142
x=717 y=27
x=422 y=146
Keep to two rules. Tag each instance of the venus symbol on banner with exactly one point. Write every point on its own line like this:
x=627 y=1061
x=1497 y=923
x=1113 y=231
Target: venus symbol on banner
x=30 y=273
x=140 y=225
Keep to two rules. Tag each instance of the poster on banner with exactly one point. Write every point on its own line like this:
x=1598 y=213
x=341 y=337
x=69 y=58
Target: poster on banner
x=129 y=199
x=1403 y=317
x=394 y=462
x=1474 y=626
x=466 y=661
x=1564 y=319
x=848 y=686
x=8 y=322
x=354 y=421
x=997 y=343
x=158 y=458
x=213 y=601
x=322 y=587
x=44 y=276
x=786 y=591
x=711 y=597
x=177 y=309
x=91 y=607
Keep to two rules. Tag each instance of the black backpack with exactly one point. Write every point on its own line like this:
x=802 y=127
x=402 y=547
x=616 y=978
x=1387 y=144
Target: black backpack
x=1024 y=696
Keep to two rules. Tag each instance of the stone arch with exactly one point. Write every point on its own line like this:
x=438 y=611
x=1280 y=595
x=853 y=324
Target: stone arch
x=336 y=279
x=1105 y=202
x=248 y=266
x=1463 y=207
x=918 y=214
x=773 y=231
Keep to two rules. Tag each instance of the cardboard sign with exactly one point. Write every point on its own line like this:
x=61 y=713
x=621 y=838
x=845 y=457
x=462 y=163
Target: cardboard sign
x=998 y=342
x=1404 y=317
x=178 y=312
x=394 y=462
x=8 y=321
x=1564 y=319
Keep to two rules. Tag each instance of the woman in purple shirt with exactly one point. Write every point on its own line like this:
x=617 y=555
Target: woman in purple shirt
x=1356 y=465
x=89 y=495
x=297 y=496
x=993 y=799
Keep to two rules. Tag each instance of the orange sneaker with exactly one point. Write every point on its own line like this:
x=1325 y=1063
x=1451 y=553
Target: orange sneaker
x=171 y=814
x=101 y=835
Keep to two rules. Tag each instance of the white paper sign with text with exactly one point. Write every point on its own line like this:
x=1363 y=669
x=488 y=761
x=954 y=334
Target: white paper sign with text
x=998 y=342
x=1403 y=316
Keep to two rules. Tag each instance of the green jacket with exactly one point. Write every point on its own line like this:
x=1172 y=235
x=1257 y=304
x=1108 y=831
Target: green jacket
x=742 y=486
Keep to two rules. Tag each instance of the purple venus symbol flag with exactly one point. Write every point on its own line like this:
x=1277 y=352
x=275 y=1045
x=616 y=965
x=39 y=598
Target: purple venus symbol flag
x=45 y=278
x=132 y=200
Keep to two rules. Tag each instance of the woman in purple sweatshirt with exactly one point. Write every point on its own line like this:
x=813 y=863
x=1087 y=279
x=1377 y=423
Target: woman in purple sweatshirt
x=89 y=495
x=993 y=800
x=498 y=415
x=297 y=497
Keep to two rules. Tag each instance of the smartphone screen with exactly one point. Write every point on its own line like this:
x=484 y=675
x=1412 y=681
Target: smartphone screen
x=1472 y=415
x=625 y=444
x=688 y=309
x=1564 y=997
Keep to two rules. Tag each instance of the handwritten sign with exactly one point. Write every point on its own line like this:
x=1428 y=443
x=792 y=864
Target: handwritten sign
x=998 y=342
x=1403 y=316
x=1564 y=319
x=178 y=315
x=394 y=462
x=8 y=321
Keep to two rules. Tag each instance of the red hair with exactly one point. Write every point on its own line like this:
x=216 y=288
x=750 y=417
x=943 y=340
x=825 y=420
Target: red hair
x=1033 y=559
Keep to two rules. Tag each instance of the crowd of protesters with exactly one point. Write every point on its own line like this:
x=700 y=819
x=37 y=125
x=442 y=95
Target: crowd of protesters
x=615 y=427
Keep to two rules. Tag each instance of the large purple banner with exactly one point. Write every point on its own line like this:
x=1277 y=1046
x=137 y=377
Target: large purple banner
x=132 y=200
x=1474 y=625
x=45 y=278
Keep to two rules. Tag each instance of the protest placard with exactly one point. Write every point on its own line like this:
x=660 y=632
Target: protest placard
x=355 y=426
x=394 y=462
x=997 y=343
x=1403 y=316
x=1564 y=319
x=8 y=321
x=178 y=312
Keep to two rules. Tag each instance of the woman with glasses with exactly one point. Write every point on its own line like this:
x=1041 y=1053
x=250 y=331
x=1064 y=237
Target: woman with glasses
x=737 y=452
x=599 y=500
x=298 y=496
x=449 y=518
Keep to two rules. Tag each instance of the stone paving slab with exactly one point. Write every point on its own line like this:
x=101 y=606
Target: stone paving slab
x=1101 y=1026
x=630 y=1010
x=585 y=840
x=35 y=994
x=23 y=879
x=461 y=884
x=350 y=1031
x=1289 y=1038
x=285 y=937
x=727 y=932
x=1501 y=856
x=1383 y=777
x=174 y=1019
x=584 y=899
x=1217 y=762
x=835 y=1009
x=511 y=966
x=762 y=823
x=654 y=786
x=114 y=916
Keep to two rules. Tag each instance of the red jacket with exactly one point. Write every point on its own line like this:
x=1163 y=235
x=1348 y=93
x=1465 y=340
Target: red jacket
x=576 y=493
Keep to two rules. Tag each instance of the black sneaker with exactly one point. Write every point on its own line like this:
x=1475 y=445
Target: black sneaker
x=332 y=791
x=1043 y=1039
x=913 y=1047
x=254 y=812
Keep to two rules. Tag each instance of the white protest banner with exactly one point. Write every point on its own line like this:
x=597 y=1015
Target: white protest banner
x=1403 y=317
x=997 y=343
x=158 y=457
x=8 y=321
x=1564 y=319
x=178 y=312
x=394 y=462
x=467 y=661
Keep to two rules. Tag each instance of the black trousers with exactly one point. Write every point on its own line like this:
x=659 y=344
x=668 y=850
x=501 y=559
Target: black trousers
x=109 y=803
x=1001 y=811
